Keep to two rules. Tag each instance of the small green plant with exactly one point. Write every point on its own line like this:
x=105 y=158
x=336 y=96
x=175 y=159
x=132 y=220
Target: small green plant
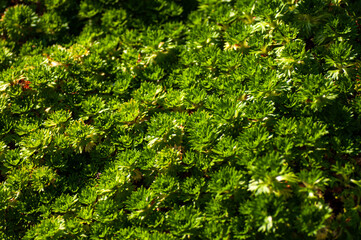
x=19 y=22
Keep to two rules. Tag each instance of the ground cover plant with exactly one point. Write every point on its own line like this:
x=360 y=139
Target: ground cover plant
x=170 y=119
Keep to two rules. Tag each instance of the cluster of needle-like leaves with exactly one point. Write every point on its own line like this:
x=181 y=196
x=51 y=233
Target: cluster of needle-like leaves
x=168 y=119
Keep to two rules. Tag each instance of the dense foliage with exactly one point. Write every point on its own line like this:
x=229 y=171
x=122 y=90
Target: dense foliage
x=170 y=119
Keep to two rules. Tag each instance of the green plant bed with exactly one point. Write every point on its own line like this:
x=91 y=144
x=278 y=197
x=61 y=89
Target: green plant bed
x=172 y=119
